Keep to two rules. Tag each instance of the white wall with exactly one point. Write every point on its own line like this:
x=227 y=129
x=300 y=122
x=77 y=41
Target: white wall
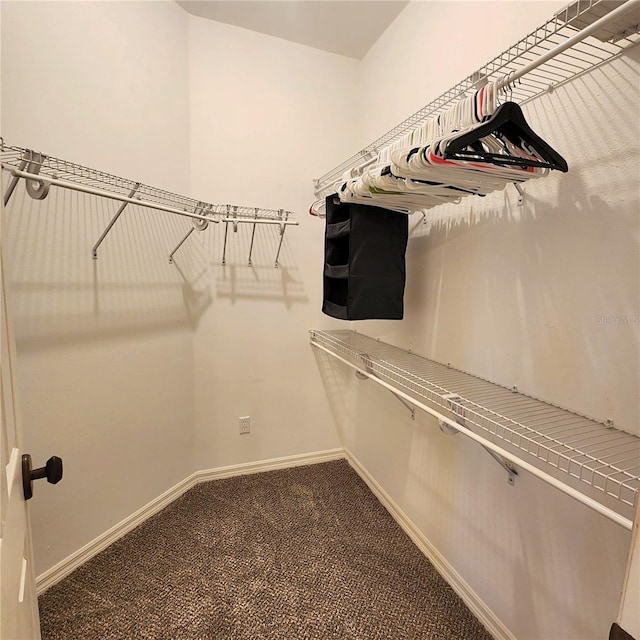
x=104 y=348
x=516 y=296
x=107 y=370
x=266 y=116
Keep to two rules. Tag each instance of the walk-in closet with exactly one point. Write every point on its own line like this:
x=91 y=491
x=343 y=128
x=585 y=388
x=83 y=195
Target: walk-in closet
x=320 y=320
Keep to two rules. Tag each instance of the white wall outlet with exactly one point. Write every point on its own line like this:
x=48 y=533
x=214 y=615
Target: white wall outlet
x=245 y=424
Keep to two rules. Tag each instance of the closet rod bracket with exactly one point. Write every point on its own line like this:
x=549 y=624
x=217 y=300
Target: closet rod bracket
x=37 y=189
x=29 y=168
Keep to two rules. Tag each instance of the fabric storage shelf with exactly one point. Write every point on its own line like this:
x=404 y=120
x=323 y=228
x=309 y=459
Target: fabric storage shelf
x=592 y=462
x=364 y=264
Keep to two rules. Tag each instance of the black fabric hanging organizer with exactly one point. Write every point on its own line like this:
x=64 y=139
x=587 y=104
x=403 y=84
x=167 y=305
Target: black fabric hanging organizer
x=364 y=261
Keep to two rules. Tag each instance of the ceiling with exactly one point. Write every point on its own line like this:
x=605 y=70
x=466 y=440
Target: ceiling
x=340 y=26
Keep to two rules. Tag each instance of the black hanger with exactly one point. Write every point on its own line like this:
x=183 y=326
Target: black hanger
x=507 y=122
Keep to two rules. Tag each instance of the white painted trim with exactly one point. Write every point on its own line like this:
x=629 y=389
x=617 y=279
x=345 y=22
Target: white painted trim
x=270 y=465
x=79 y=557
x=492 y=623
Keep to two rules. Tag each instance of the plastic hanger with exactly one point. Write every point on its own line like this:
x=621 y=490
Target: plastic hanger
x=508 y=122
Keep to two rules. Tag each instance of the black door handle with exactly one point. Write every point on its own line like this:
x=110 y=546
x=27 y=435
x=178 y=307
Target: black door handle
x=52 y=471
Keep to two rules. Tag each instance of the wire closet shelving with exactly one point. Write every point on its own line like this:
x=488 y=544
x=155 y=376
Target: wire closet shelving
x=579 y=38
x=40 y=172
x=591 y=461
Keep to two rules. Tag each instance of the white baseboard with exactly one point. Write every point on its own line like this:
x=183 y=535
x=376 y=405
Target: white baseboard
x=493 y=624
x=79 y=557
x=270 y=465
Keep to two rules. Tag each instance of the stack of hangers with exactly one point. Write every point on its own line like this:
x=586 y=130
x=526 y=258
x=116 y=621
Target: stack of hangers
x=474 y=148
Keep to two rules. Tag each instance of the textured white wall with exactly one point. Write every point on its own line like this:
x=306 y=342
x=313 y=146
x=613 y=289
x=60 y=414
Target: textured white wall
x=104 y=348
x=107 y=371
x=519 y=296
x=266 y=116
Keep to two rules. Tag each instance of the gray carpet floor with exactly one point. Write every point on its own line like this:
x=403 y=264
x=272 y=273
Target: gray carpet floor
x=300 y=554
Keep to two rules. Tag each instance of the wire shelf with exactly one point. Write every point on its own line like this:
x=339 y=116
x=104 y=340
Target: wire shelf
x=51 y=167
x=580 y=58
x=595 y=454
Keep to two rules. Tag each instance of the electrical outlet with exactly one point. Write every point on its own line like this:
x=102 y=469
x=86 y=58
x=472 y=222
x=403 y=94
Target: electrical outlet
x=245 y=424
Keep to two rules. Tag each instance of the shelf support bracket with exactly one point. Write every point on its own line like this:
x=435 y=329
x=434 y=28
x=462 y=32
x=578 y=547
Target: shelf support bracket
x=520 y=191
x=454 y=402
x=505 y=464
x=283 y=228
x=411 y=409
x=198 y=225
x=94 y=250
x=253 y=234
x=180 y=244
x=13 y=184
x=224 y=248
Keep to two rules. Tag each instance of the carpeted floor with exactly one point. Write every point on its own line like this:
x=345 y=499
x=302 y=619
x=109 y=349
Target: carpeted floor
x=301 y=554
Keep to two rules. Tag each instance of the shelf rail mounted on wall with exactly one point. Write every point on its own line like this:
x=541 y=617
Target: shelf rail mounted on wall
x=591 y=461
x=579 y=38
x=41 y=172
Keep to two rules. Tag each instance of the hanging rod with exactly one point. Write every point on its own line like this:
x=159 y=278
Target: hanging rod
x=597 y=455
x=46 y=182
x=628 y=6
x=571 y=49
x=40 y=172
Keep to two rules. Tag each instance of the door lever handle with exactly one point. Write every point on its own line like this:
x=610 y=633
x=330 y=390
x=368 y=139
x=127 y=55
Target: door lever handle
x=52 y=471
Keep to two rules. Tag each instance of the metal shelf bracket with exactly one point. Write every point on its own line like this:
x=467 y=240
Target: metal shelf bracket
x=282 y=220
x=94 y=250
x=283 y=228
x=411 y=410
x=454 y=401
x=226 y=229
x=13 y=183
x=365 y=376
x=198 y=224
x=505 y=464
x=253 y=235
x=520 y=191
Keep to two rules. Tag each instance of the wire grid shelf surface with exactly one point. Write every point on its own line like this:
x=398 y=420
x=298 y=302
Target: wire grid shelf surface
x=599 y=455
x=565 y=66
x=51 y=167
